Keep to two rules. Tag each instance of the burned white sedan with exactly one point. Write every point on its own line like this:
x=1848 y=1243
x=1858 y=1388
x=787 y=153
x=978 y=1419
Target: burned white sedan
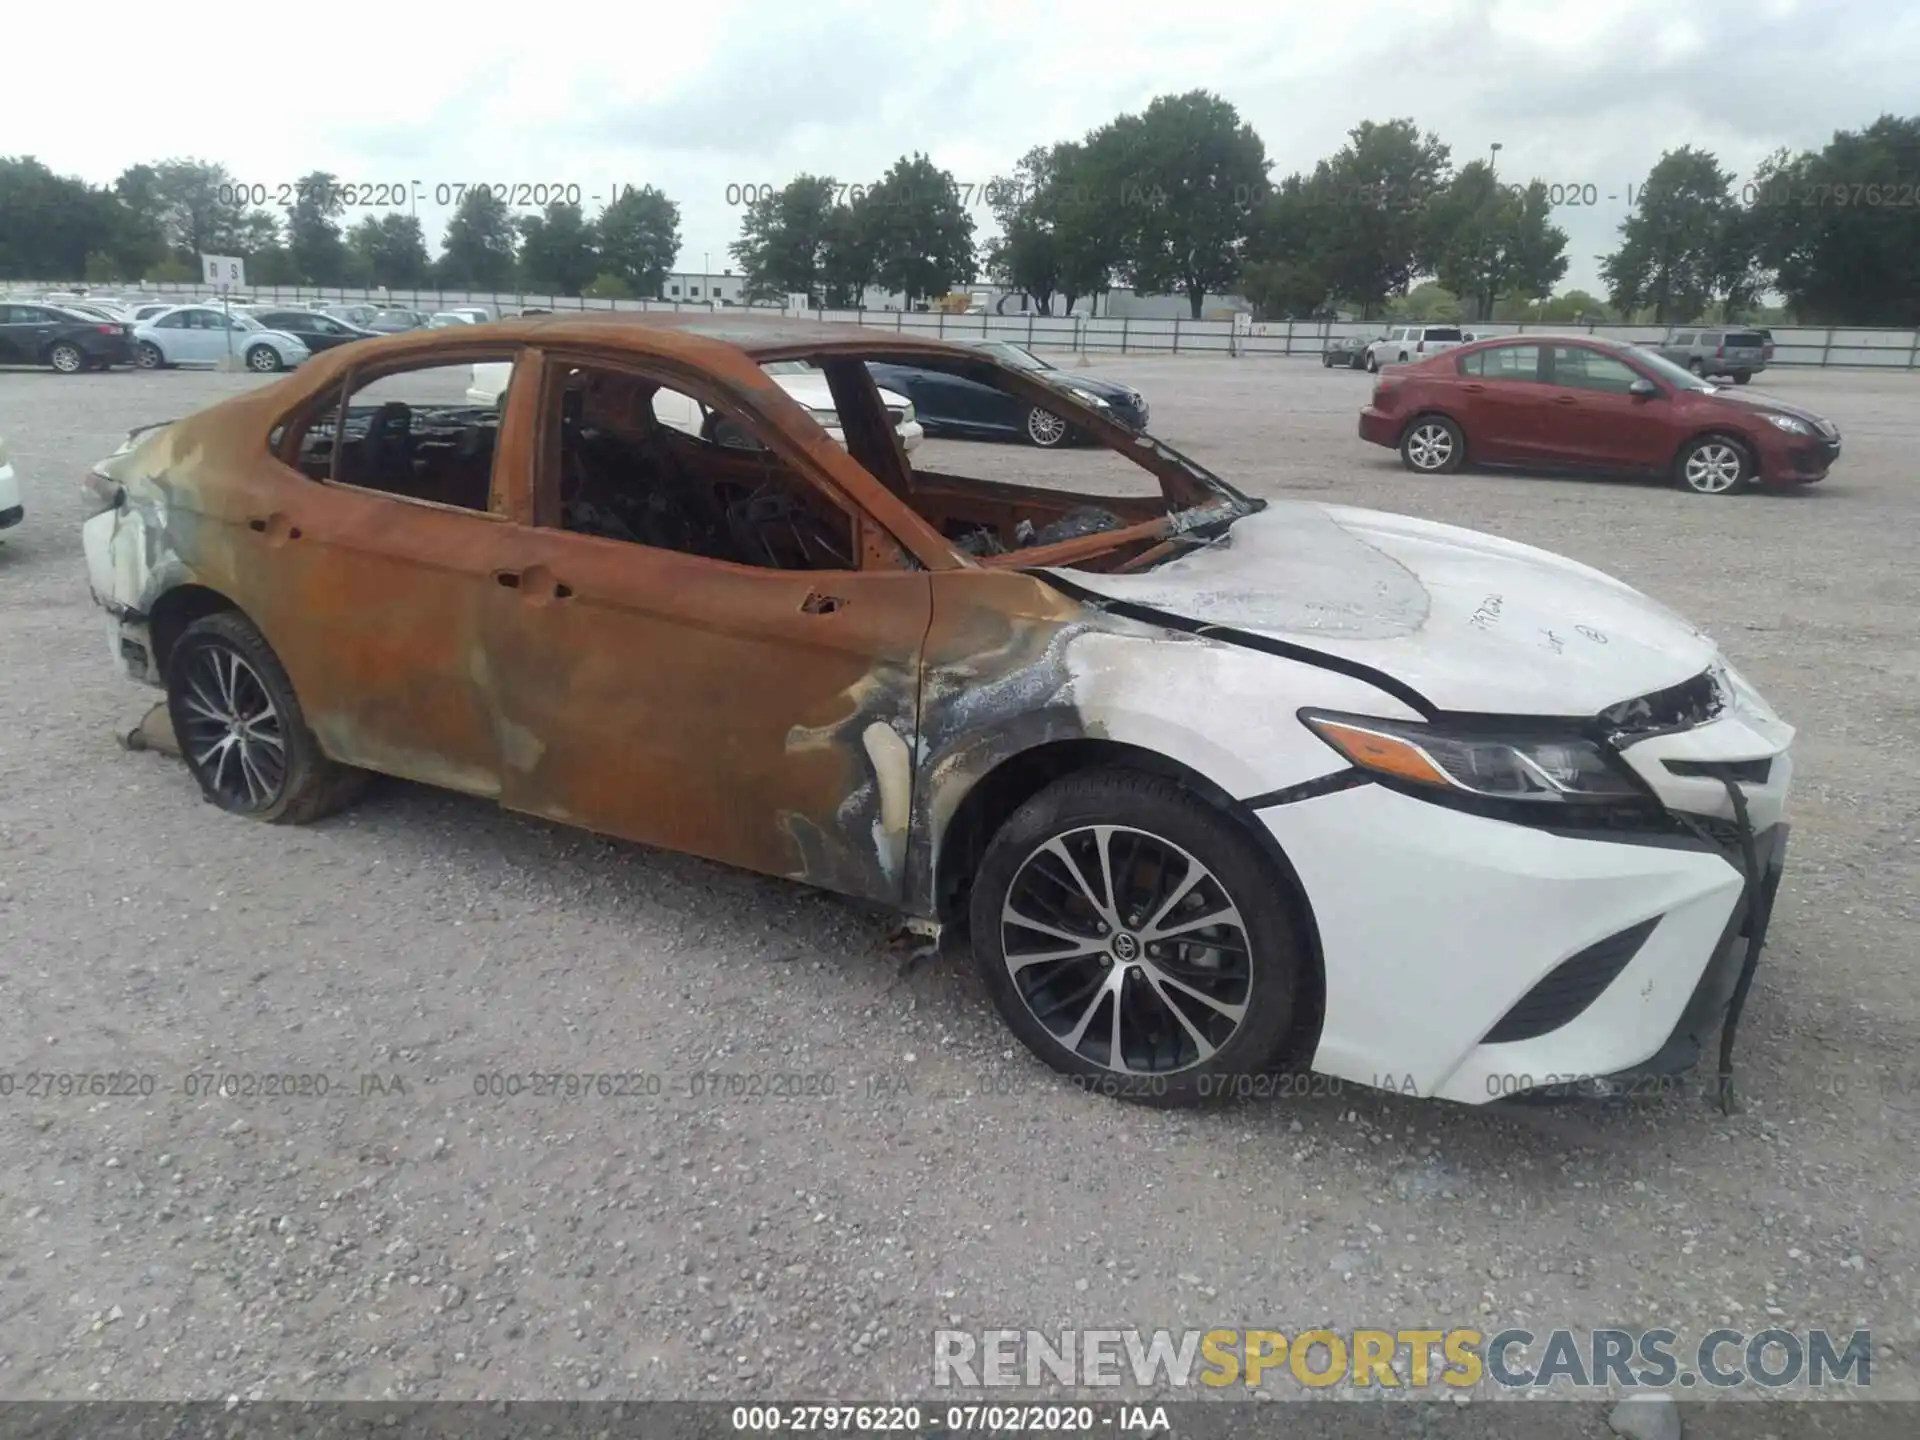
x=1214 y=785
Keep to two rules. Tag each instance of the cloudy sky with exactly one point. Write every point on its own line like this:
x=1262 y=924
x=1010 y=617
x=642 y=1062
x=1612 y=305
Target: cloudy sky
x=698 y=98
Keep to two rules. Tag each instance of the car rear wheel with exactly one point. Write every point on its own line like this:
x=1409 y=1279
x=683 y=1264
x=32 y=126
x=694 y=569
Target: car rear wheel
x=1135 y=940
x=67 y=358
x=148 y=357
x=1373 y=363
x=1326 y=360
x=241 y=730
x=1698 y=367
x=263 y=358
x=1433 y=445
x=1741 y=377
x=1045 y=429
x=1714 y=465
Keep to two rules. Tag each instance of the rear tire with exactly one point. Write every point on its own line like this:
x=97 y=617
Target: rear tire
x=241 y=730
x=1741 y=377
x=1432 y=445
x=1698 y=367
x=1373 y=363
x=67 y=358
x=1201 y=1009
x=1326 y=361
x=1714 y=465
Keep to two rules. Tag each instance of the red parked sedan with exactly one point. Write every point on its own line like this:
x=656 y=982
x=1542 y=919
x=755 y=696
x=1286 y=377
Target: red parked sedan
x=1580 y=402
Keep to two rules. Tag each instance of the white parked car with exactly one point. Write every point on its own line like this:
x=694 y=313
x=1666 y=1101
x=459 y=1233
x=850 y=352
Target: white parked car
x=12 y=512
x=199 y=335
x=1404 y=343
x=446 y=319
x=806 y=385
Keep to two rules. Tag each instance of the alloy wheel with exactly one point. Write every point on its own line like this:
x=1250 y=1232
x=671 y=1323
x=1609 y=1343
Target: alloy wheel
x=1430 y=446
x=234 y=736
x=1127 y=950
x=1044 y=427
x=148 y=356
x=263 y=359
x=67 y=359
x=1714 y=468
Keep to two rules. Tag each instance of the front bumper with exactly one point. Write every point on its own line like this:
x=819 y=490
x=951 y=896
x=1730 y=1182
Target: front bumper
x=1474 y=959
x=12 y=512
x=1794 y=459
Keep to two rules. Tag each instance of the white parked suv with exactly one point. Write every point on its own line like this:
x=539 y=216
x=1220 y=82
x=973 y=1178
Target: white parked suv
x=1404 y=343
x=12 y=512
x=806 y=385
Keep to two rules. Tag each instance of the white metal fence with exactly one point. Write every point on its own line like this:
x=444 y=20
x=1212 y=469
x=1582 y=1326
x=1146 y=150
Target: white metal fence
x=1873 y=347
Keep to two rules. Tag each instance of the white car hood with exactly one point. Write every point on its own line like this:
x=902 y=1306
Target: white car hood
x=1471 y=621
x=813 y=392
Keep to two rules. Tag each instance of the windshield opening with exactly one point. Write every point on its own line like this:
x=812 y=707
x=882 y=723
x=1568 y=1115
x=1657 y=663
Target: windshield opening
x=1664 y=369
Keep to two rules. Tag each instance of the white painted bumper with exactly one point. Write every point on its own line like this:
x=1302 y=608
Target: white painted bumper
x=9 y=497
x=1433 y=924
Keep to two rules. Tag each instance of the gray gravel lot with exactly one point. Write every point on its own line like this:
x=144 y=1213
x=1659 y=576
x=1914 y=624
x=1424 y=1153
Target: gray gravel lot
x=406 y=1237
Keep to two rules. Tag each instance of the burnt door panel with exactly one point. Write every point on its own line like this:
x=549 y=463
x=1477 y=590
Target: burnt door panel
x=763 y=718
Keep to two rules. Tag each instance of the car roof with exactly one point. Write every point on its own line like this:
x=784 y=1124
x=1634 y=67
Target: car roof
x=666 y=332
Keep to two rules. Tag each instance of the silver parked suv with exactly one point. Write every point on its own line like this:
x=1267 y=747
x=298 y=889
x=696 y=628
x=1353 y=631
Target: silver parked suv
x=1410 y=342
x=1738 y=352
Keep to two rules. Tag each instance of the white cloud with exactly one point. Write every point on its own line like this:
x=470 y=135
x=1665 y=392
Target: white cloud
x=697 y=98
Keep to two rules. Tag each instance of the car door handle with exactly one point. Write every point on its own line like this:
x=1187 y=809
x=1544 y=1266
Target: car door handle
x=539 y=588
x=276 y=527
x=1566 y=399
x=1473 y=389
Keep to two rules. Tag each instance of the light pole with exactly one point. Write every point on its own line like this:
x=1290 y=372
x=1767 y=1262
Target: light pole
x=1493 y=156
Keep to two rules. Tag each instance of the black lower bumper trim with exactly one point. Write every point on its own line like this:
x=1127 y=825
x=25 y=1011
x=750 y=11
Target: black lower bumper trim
x=1706 y=1008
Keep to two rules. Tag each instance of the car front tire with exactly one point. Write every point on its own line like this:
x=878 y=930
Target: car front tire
x=67 y=358
x=241 y=730
x=148 y=357
x=1432 y=445
x=1373 y=363
x=1046 y=429
x=1714 y=465
x=263 y=360
x=1172 y=983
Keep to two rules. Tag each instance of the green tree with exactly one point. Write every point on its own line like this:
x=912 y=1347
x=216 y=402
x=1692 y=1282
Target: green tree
x=916 y=229
x=390 y=250
x=1289 y=272
x=1027 y=205
x=849 y=262
x=1840 y=229
x=478 y=251
x=51 y=226
x=639 y=239
x=275 y=265
x=1673 y=248
x=606 y=286
x=559 y=252
x=1189 y=177
x=315 y=246
x=1489 y=240
x=1430 y=301
x=1377 y=190
x=784 y=237
x=195 y=209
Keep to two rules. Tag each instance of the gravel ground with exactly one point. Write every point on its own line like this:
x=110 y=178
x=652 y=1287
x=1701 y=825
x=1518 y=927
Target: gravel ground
x=403 y=1236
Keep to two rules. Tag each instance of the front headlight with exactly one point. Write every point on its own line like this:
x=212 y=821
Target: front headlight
x=1495 y=767
x=1088 y=396
x=1789 y=424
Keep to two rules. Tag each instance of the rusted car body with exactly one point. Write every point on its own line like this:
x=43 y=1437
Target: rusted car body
x=1213 y=782
x=823 y=730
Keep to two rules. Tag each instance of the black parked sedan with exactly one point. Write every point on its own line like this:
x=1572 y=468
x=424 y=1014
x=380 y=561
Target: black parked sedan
x=946 y=404
x=1347 y=350
x=316 y=331
x=65 y=339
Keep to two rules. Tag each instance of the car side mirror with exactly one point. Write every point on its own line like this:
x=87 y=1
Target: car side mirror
x=1644 y=388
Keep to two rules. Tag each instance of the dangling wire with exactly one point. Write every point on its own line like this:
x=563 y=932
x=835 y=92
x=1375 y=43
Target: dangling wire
x=1750 y=859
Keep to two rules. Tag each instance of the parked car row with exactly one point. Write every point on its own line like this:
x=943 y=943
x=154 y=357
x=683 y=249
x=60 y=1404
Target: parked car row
x=1582 y=402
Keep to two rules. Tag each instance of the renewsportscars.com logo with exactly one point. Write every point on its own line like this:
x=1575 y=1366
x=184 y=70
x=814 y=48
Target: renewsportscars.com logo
x=1454 y=1359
